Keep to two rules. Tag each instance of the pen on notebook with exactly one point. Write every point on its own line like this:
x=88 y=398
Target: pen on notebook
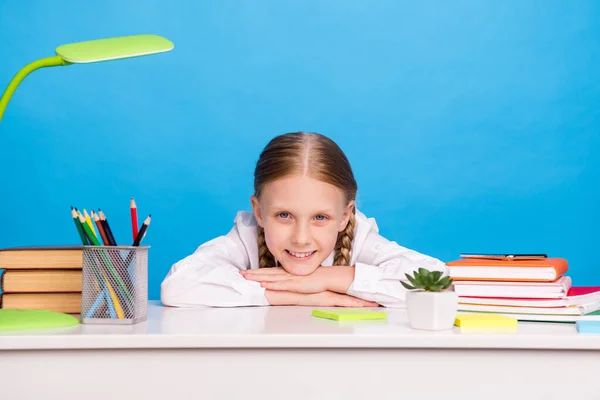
x=142 y=231
x=134 y=219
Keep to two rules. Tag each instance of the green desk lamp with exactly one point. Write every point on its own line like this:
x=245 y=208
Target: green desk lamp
x=89 y=52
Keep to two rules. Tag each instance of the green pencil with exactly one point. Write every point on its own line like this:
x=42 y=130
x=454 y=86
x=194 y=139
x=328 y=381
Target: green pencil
x=84 y=240
x=88 y=231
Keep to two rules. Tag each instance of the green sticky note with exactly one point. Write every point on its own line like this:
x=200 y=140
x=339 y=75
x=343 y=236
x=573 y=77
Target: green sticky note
x=349 y=314
x=17 y=319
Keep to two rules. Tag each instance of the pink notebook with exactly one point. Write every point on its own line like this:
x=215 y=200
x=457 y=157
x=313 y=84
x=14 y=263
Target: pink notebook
x=577 y=296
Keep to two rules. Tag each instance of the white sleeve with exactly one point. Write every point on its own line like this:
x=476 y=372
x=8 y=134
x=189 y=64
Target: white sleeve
x=380 y=267
x=210 y=277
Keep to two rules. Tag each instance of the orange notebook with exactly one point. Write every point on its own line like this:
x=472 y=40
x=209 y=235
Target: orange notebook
x=541 y=270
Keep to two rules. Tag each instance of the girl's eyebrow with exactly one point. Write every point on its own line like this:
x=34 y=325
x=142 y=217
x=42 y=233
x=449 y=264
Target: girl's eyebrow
x=325 y=212
x=281 y=208
x=277 y=207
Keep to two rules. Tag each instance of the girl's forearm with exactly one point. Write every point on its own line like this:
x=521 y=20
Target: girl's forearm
x=322 y=299
x=338 y=278
x=282 y=298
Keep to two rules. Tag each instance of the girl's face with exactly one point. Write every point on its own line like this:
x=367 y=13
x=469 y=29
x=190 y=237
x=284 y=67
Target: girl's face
x=301 y=217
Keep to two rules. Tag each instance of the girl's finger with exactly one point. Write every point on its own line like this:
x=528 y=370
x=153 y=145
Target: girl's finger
x=354 y=303
x=349 y=301
x=284 y=285
x=265 y=278
x=369 y=303
x=267 y=271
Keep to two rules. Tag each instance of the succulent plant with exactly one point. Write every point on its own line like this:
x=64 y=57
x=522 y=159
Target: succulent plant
x=429 y=281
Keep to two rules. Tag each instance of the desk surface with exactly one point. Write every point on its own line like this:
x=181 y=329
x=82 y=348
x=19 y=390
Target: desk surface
x=286 y=327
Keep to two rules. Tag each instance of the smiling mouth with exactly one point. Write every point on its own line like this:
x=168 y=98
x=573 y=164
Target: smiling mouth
x=300 y=255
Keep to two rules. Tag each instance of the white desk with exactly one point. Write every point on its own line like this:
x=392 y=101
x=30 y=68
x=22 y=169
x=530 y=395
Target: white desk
x=284 y=353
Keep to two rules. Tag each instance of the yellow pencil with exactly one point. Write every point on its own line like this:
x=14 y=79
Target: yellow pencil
x=89 y=222
x=115 y=300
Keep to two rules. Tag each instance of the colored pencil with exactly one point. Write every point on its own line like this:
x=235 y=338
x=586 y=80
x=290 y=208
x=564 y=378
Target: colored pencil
x=89 y=222
x=134 y=219
x=78 y=213
x=78 y=226
x=113 y=295
x=108 y=305
x=96 y=304
x=111 y=268
x=100 y=228
x=114 y=256
x=89 y=236
x=107 y=229
x=88 y=231
x=142 y=231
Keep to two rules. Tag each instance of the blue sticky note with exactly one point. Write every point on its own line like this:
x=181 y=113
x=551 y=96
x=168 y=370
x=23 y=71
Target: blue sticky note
x=588 y=327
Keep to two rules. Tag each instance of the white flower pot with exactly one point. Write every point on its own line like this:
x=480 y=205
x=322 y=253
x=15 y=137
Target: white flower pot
x=432 y=311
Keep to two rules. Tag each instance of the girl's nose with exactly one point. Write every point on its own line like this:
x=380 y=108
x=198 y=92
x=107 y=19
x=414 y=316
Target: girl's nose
x=301 y=234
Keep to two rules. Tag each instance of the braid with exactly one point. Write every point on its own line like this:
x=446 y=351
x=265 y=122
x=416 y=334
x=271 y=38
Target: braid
x=344 y=242
x=265 y=258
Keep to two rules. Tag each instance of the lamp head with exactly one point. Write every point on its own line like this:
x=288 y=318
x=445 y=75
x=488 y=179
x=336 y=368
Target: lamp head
x=113 y=48
x=89 y=52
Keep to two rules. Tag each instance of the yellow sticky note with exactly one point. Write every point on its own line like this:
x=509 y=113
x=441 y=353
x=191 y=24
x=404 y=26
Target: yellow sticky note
x=349 y=314
x=475 y=320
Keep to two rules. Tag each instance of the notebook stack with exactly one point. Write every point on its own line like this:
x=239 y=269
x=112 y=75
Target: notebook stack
x=528 y=288
x=43 y=278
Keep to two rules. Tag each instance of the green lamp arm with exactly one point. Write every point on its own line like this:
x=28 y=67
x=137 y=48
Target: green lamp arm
x=12 y=86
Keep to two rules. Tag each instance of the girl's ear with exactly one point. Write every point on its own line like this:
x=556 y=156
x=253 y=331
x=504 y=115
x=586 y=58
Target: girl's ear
x=256 y=210
x=346 y=215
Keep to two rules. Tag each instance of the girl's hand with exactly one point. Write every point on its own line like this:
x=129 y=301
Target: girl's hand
x=323 y=299
x=278 y=279
x=335 y=278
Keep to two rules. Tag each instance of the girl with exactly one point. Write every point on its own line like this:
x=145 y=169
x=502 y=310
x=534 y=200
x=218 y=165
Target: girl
x=304 y=243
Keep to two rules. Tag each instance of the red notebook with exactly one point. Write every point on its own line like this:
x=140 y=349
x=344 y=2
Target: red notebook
x=540 y=270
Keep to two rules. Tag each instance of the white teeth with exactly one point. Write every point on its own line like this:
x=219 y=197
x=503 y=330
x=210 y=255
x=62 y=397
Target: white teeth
x=300 y=255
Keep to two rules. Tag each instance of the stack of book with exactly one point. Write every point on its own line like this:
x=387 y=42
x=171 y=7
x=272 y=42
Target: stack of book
x=43 y=278
x=527 y=287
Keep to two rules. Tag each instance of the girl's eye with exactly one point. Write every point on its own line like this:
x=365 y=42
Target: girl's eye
x=321 y=217
x=283 y=215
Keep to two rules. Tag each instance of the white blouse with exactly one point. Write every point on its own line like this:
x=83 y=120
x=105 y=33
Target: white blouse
x=209 y=276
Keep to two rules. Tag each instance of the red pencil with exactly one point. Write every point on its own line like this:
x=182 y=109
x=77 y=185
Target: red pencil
x=134 y=221
x=96 y=219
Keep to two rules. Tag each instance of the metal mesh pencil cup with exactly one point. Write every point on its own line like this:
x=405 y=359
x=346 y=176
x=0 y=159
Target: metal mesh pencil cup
x=114 y=285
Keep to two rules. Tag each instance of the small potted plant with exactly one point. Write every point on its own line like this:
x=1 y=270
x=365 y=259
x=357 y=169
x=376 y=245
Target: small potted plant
x=429 y=303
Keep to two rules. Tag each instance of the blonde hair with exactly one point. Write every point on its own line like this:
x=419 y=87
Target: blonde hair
x=322 y=159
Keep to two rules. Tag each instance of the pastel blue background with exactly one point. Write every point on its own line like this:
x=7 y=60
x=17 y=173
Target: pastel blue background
x=471 y=126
